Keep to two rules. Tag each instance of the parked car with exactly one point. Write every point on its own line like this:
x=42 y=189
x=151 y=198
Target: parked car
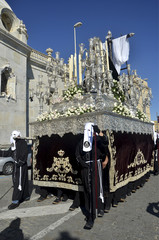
x=6 y=163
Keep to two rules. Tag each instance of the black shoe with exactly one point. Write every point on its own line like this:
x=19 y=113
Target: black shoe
x=114 y=205
x=88 y=225
x=122 y=199
x=100 y=213
x=129 y=194
x=64 y=199
x=106 y=210
x=72 y=207
x=50 y=195
x=27 y=199
x=13 y=206
x=56 y=201
x=40 y=199
x=133 y=191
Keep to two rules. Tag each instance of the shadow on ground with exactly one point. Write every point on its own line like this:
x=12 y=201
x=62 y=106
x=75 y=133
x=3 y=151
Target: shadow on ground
x=13 y=232
x=153 y=208
x=66 y=236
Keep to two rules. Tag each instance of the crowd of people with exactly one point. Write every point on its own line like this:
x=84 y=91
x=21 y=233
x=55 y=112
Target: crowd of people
x=93 y=158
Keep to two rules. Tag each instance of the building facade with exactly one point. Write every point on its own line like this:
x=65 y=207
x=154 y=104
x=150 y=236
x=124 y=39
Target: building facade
x=156 y=126
x=17 y=69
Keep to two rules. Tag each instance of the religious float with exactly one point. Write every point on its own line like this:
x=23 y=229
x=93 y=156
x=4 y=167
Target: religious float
x=117 y=103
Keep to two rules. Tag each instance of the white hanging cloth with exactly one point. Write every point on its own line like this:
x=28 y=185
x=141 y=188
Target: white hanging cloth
x=120 y=49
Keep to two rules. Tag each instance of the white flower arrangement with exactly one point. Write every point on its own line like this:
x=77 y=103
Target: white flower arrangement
x=118 y=91
x=142 y=116
x=73 y=92
x=79 y=110
x=122 y=110
x=48 y=116
x=69 y=112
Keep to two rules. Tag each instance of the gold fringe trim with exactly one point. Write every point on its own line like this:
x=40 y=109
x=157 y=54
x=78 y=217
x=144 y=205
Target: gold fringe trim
x=131 y=179
x=58 y=185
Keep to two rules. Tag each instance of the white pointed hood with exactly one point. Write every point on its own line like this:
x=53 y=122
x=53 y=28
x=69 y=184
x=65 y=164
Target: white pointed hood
x=88 y=137
x=14 y=135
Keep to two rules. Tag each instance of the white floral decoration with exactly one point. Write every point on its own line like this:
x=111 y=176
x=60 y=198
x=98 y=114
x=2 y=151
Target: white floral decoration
x=73 y=92
x=118 y=91
x=69 y=112
x=142 y=116
x=123 y=110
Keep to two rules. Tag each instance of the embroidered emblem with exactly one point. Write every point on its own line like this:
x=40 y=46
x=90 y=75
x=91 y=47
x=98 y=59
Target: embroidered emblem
x=61 y=165
x=61 y=153
x=86 y=144
x=138 y=160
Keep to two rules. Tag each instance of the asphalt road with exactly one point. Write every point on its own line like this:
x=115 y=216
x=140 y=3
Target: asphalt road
x=135 y=219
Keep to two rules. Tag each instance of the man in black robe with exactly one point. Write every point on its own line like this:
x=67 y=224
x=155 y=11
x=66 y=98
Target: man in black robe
x=19 y=152
x=156 y=153
x=92 y=156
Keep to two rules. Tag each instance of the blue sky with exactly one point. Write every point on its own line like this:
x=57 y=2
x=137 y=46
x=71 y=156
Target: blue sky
x=50 y=24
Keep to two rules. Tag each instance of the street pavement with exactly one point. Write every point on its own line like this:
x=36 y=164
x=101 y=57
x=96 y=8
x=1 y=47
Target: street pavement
x=135 y=219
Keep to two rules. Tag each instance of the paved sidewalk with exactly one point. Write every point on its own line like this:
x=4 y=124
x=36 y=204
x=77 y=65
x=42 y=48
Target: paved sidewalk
x=135 y=219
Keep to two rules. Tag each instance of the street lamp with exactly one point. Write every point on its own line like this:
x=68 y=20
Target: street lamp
x=78 y=24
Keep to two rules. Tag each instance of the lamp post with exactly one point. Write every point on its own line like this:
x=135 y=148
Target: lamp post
x=78 y=24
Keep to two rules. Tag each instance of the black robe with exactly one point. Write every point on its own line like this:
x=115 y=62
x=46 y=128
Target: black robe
x=90 y=174
x=156 y=157
x=20 y=157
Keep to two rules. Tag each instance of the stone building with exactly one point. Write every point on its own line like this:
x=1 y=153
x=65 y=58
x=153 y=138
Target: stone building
x=19 y=64
x=156 y=126
x=21 y=68
x=14 y=53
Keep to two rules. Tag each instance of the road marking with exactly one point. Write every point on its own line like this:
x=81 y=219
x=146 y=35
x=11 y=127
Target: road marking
x=35 y=211
x=52 y=227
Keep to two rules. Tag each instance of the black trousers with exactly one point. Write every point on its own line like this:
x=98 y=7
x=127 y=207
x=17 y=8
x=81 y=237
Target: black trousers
x=91 y=191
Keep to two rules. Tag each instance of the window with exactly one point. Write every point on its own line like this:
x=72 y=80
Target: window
x=6 y=20
x=8 y=83
x=3 y=83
